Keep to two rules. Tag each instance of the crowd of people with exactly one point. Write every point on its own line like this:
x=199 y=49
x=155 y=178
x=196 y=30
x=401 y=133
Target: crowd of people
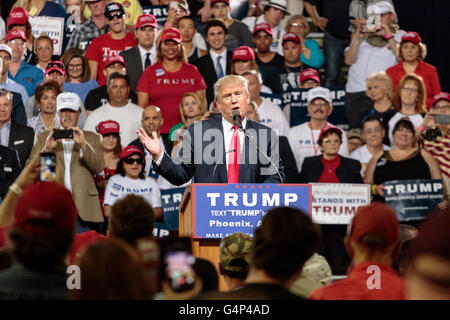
x=131 y=91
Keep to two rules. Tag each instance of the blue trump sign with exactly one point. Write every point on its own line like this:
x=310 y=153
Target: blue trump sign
x=221 y=209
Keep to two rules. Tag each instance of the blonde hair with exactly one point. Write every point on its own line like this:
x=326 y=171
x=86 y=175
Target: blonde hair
x=293 y=19
x=200 y=101
x=382 y=77
x=230 y=80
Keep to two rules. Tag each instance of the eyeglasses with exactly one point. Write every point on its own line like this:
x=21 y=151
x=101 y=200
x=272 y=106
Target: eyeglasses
x=59 y=65
x=410 y=89
x=319 y=104
x=133 y=160
x=328 y=141
x=18 y=42
x=117 y=15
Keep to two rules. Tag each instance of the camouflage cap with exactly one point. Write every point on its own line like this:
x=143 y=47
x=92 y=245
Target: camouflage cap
x=235 y=246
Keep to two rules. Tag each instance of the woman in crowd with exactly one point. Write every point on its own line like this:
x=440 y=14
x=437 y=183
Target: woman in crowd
x=411 y=54
x=330 y=167
x=409 y=101
x=130 y=178
x=192 y=108
x=164 y=83
x=78 y=73
x=311 y=53
x=112 y=148
x=47 y=119
x=243 y=60
x=41 y=8
x=43 y=49
x=403 y=162
x=379 y=90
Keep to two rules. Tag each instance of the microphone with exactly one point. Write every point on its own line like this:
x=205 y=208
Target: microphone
x=215 y=167
x=237 y=118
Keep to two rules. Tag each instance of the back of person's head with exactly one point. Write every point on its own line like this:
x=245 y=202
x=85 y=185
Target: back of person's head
x=428 y=275
x=111 y=270
x=235 y=254
x=43 y=226
x=131 y=218
x=284 y=242
x=205 y=270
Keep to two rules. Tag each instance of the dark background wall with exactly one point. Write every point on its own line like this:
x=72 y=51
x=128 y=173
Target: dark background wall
x=431 y=19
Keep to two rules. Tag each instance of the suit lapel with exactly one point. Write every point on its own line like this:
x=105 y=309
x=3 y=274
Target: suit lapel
x=139 y=60
x=211 y=67
x=229 y=56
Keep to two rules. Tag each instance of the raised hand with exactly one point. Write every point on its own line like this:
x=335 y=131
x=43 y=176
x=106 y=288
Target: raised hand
x=50 y=143
x=78 y=136
x=150 y=143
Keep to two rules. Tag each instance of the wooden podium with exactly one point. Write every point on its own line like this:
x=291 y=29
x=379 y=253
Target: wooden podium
x=203 y=248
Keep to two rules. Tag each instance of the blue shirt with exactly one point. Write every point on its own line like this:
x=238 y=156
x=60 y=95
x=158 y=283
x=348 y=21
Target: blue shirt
x=29 y=76
x=4 y=133
x=13 y=86
x=81 y=89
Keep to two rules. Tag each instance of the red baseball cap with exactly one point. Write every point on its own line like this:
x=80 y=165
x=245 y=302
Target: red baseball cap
x=376 y=218
x=129 y=150
x=290 y=36
x=440 y=96
x=81 y=241
x=308 y=74
x=411 y=36
x=15 y=34
x=55 y=66
x=263 y=27
x=243 y=53
x=227 y=2
x=45 y=208
x=109 y=60
x=17 y=16
x=328 y=128
x=171 y=34
x=109 y=126
x=146 y=20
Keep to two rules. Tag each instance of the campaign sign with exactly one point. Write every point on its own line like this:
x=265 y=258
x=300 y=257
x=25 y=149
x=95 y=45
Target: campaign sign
x=53 y=27
x=160 y=13
x=336 y=203
x=221 y=209
x=171 y=199
x=413 y=199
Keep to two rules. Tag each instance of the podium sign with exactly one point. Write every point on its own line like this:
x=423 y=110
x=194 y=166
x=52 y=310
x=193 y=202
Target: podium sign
x=221 y=209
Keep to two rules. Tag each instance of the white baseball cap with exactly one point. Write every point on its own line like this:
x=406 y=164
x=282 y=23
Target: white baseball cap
x=6 y=48
x=380 y=8
x=68 y=100
x=319 y=92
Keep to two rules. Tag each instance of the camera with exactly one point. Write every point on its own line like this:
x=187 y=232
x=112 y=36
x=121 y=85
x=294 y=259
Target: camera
x=48 y=166
x=62 y=134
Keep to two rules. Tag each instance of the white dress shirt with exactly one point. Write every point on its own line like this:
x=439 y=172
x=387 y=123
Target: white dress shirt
x=143 y=54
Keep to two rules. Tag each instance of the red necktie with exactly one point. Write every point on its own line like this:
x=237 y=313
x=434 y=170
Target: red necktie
x=234 y=158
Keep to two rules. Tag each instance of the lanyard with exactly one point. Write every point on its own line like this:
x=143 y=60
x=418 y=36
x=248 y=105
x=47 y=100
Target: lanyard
x=314 y=142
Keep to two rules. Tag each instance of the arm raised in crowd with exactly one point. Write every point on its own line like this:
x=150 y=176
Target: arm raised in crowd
x=351 y=54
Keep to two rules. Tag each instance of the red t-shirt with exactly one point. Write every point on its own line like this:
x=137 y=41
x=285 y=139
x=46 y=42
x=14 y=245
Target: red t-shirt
x=423 y=69
x=165 y=89
x=104 y=46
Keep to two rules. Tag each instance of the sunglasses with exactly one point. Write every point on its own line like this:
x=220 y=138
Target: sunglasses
x=117 y=15
x=133 y=160
x=55 y=64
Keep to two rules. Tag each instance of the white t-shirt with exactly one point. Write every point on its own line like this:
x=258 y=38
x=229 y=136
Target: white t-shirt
x=370 y=59
x=118 y=187
x=272 y=116
x=129 y=117
x=303 y=142
x=363 y=155
x=416 y=119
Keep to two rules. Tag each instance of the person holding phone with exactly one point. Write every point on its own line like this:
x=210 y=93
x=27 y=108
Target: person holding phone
x=80 y=153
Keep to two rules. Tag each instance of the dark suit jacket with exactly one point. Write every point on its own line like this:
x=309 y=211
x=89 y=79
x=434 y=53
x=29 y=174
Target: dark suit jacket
x=206 y=67
x=348 y=172
x=18 y=114
x=203 y=157
x=135 y=68
x=21 y=138
x=9 y=168
x=288 y=160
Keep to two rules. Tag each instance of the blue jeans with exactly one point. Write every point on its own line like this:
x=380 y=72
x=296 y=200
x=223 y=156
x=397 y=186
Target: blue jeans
x=334 y=58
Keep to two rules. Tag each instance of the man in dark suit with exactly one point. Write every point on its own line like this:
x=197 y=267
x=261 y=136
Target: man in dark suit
x=12 y=134
x=9 y=169
x=217 y=63
x=144 y=54
x=215 y=151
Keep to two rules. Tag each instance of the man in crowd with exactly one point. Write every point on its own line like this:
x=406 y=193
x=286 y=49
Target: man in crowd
x=373 y=243
x=274 y=267
x=80 y=157
x=109 y=44
x=21 y=72
x=309 y=78
x=303 y=137
x=143 y=55
x=231 y=93
x=235 y=259
x=292 y=66
x=238 y=32
x=12 y=134
x=355 y=139
x=274 y=12
x=99 y=96
x=119 y=109
x=216 y=64
x=92 y=28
